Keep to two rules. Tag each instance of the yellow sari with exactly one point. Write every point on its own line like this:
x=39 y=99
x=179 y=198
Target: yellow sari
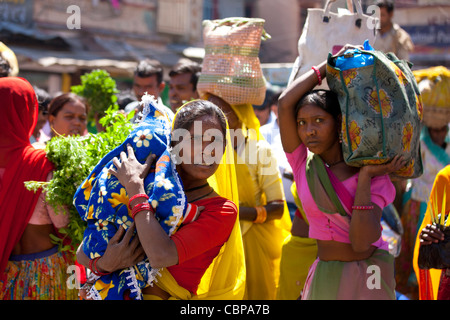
x=428 y=280
x=298 y=254
x=225 y=277
x=262 y=242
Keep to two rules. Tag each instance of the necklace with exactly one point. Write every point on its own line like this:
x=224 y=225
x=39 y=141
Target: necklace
x=333 y=164
x=196 y=188
x=203 y=196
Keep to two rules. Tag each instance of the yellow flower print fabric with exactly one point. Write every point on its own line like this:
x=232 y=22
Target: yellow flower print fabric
x=103 y=203
x=381 y=112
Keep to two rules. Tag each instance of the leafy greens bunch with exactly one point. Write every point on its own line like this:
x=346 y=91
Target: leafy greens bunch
x=74 y=158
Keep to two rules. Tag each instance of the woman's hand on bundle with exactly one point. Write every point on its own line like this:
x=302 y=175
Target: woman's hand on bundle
x=381 y=169
x=124 y=250
x=347 y=47
x=431 y=234
x=130 y=172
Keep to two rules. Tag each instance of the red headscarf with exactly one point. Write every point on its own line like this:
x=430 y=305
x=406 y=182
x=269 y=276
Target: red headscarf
x=22 y=162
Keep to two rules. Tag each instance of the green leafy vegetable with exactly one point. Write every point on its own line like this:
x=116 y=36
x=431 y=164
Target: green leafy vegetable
x=99 y=89
x=74 y=158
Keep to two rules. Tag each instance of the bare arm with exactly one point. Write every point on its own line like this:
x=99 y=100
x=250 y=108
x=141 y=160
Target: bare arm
x=365 y=226
x=274 y=211
x=286 y=106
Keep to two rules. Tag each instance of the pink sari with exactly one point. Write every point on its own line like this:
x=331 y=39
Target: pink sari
x=368 y=279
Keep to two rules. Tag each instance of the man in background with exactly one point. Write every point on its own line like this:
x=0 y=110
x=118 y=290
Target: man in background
x=148 y=78
x=183 y=83
x=391 y=37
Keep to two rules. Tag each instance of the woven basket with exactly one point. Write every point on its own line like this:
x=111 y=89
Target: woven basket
x=231 y=68
x=434 y=85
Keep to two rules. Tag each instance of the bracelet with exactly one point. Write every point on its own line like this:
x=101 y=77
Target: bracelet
x=362 y=207
x=318 y=74
x=141 y=207
x=139 y=195
x=261 y=214
x=94 y=269
x=191 y=213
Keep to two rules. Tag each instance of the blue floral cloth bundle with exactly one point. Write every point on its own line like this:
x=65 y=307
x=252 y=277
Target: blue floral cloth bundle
x=103 y=203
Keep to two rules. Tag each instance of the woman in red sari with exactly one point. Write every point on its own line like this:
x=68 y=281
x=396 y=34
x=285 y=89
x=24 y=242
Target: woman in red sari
x=31 y=266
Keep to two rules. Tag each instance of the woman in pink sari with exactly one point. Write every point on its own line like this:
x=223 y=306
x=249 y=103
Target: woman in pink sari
x=343 y=204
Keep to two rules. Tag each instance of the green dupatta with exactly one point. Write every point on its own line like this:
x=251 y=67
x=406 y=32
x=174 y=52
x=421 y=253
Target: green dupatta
x=328 y=192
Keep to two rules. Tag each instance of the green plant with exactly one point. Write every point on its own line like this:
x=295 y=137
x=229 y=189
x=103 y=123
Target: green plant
x=74 y=158
x=99 y=89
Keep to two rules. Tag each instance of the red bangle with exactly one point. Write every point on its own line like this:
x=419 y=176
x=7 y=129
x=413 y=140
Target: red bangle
x=141 y=207
x=318 y=74
x=93 y=268
x=362 y=207
x=139 y=195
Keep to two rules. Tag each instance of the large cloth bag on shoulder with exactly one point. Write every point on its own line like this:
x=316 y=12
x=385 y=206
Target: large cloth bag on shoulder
x=325 y=31
x=231 y=68
x=381 y=111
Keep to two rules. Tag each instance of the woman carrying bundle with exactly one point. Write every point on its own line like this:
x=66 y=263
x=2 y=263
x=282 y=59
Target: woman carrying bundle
x=203 y=259
x=343 y=204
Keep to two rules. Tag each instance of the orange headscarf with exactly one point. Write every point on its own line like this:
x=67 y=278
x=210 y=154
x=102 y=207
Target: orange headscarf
x=22 y=162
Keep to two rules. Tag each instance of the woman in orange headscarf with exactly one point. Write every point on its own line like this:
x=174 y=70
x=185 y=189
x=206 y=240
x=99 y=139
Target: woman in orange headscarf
x=31 y=266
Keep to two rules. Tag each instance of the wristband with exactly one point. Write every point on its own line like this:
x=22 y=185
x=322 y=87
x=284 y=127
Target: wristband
x=261 y=214
x=139 y=195
x=141 y=207
x=191 y=213
x=362 y=207
x=93 y=268
x=318 y=74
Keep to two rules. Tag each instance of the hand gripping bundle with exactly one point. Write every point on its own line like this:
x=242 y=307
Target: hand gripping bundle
x=231 y=68
x=103 y=203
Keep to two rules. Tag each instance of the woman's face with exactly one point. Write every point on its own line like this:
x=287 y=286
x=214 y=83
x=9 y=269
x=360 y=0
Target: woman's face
x=70 y=120
x=438 y=135
x=317 y=128
x=202 y=150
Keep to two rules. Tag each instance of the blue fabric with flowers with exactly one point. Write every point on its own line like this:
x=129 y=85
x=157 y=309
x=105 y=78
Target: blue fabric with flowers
x=103 y=203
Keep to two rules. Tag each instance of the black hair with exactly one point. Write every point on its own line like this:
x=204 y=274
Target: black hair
x=388 y=4
x=43 y=98
x=58 y=102
x=124 y=98
x=325 y=99
x=147 y=68
x=5 y=68
x=184 y=67
x=196 y=109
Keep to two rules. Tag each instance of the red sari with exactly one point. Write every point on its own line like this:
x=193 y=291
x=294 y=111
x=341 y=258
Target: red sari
x=22 y=162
